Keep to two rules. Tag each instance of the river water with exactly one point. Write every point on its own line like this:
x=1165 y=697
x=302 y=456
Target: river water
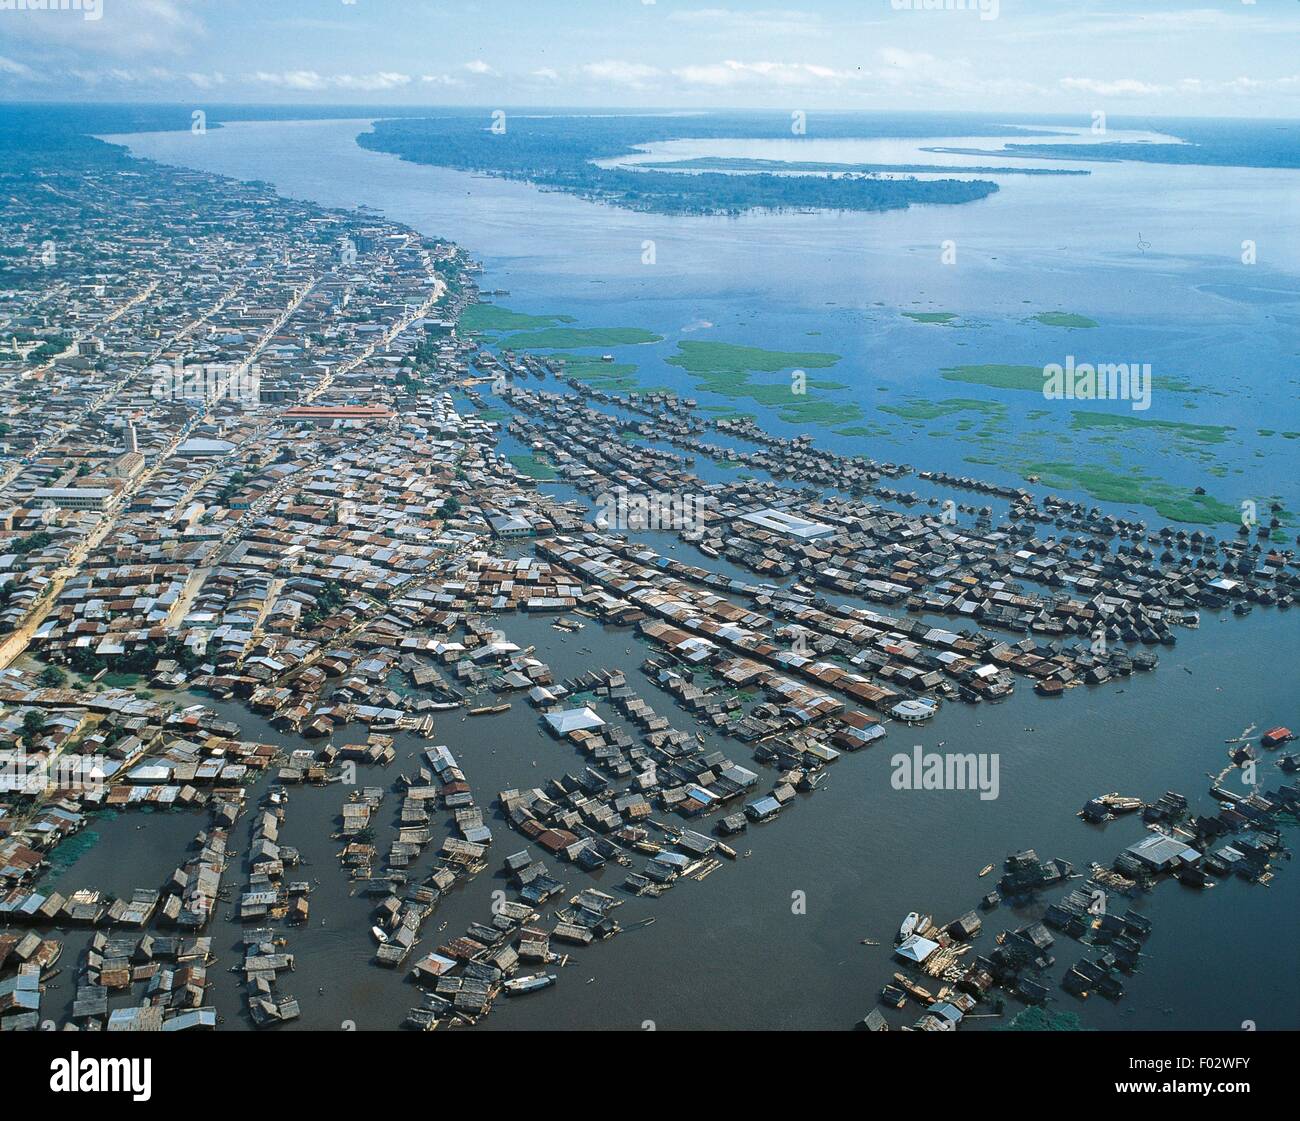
x=732 y=951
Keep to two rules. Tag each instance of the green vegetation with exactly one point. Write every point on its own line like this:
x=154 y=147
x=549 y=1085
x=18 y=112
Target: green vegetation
x=552 y=338
x=711 y=359
x=494 y=317
x=822 y=413
x=561 y=153
x=328 y=600
x=31 y=542
x=725 y=368
x=918 y=409
x=1063 y=319
x=997 y=376
x=598 y=373
x=871 y=430
x=1004 y=376
x=1039 y=1019
x=931 y=316
x=1199 y=433
x=125 y=670
x=533 y=467
x=1134 y=487
x=736 y=163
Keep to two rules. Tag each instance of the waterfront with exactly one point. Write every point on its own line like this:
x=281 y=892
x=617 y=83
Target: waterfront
x=1149 y=253
x=732 y=951
x=729 y=952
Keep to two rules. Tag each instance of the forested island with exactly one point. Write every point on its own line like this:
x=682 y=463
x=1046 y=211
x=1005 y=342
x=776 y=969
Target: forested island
x=559 y=153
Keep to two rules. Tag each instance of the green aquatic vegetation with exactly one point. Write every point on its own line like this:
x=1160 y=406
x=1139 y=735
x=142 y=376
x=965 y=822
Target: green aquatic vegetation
x=725 y=369
x=997 y=376
x=918 y=409
x=1063 y=319
x=873 y=430
x=804 y=411
x=1039 y=1019
x=1084 y=420
x=931 y=316
x=588 y=367
x=715 y=358
x=1134 y=487
x=494 y=317
x=533 y=467
x=554 y=338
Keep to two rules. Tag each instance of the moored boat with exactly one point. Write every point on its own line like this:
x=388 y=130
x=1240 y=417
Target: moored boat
x=517 y=986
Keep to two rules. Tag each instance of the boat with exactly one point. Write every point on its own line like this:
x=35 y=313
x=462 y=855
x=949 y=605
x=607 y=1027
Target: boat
x=487 y=710
x=909 y=926
x=1120 y=803
x=986 y=870
x=517 y=986
x=380 y=936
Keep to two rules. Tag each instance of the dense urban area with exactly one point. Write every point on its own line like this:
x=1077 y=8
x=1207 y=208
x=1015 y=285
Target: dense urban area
x=277 y=503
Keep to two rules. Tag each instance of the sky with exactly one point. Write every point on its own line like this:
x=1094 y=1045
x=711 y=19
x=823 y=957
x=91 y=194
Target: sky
x=1234 y=58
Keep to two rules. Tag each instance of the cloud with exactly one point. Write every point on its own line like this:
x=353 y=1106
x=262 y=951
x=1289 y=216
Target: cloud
x=478 y=66
x=441 y=80
x=206 y=81
x=618 y=72
x=733 y=73
x=291 y=79
x=314 y=81
x=127 y=29
x=546 y=74
x=16 y=69
x=1118 y=87
x=383 y=80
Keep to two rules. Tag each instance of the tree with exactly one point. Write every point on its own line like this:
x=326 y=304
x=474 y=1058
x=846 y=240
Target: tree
x=52 y=677
x=33 y=723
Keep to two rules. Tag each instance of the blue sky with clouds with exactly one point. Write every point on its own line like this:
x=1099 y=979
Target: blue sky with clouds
x=1201 y=58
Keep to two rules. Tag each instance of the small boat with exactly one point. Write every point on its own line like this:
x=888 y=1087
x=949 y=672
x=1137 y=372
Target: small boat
x=1120 y=803
x=487 y=710
x=517 y=986
x=909 y=926
x=986 y=870
x=380 y=936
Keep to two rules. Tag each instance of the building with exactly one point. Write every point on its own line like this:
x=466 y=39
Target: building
x=329 y=414
x=573 y=720
x=75 y=498
x=782 y=521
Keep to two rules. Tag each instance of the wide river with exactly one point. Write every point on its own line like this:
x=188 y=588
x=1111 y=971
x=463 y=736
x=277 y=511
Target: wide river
x=1158 y=268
